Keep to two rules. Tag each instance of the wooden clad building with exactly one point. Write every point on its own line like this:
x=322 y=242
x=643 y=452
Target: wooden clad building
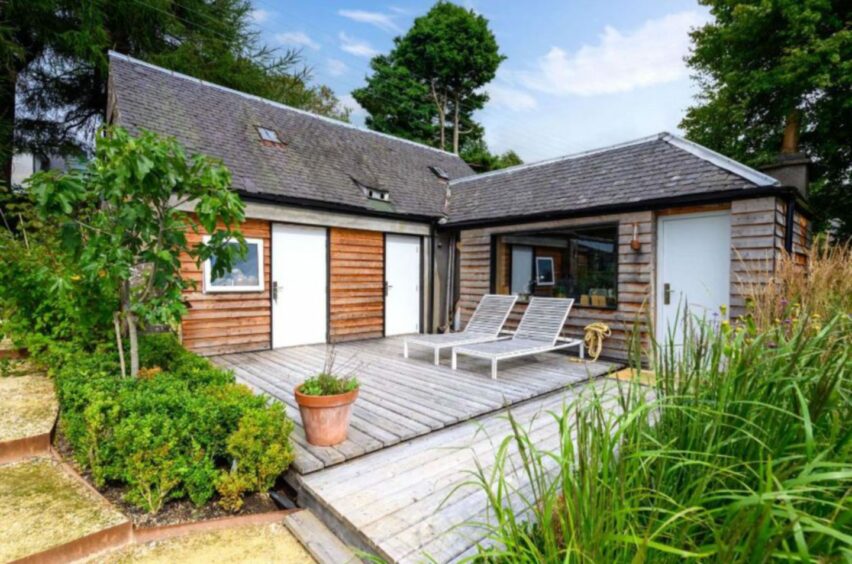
x=354 y=234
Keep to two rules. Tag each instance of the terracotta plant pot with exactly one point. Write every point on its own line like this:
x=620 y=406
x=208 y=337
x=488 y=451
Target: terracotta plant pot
x=326 y=418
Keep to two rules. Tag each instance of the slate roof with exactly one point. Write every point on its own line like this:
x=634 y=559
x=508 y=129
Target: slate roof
x=654 y=168
x=322 y=157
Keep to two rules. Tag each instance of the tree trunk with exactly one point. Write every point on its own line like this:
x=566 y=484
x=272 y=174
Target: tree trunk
x=790 y=144
x=116 y=319
x=130 y=319
x=442 y=116
x=456 y=127
x=7 y=127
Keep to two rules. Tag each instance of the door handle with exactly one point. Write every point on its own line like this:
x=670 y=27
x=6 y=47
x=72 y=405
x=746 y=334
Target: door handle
x=275 y=291
x=667 y=293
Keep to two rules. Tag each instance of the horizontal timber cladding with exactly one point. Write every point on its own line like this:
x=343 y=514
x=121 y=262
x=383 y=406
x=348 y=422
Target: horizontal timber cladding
x=356 y=284
x=219 y=323
x=758 y=232
x=635 y=278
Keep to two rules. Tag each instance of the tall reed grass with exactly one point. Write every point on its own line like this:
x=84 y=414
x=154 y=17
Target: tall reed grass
x=817 y=285
x=741 y=452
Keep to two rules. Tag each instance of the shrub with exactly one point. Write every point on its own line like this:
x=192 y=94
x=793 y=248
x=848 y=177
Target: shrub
x=740 y=453
x=174 y=434
x=259 y=447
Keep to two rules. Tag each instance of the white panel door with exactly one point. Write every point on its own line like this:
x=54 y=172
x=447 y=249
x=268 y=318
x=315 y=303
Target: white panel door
x=522 y=269
x=693 y=270
x=299 y=285
x=402 y=279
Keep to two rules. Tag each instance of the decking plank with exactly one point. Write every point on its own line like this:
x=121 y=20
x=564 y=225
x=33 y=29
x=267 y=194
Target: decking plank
x=401 y=399
x=408 y=500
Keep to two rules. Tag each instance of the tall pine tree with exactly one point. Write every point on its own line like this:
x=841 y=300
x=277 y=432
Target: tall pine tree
x=429 y=86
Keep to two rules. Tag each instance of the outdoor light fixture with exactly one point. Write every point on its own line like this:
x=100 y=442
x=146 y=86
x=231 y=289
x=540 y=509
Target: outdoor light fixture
x=634 y=243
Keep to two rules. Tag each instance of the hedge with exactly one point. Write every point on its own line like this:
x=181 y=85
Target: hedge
x=182 y=430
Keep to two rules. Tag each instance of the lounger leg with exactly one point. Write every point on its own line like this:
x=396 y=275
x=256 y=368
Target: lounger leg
x=405 y=349
x=437 y=356
x=582 y=352
x=493 y=368
x=454 y=362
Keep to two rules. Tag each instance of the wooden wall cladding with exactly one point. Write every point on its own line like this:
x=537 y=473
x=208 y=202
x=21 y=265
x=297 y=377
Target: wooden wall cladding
x=635 y=278
x=356 y=276
x=219 y=323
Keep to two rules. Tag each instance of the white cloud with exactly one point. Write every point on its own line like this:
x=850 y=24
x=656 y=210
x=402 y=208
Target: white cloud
x=357 y=47
x=619 y=62
x=336 y=67
x=502 y=96
x=259 y=15
x=296 y=38
x=380 y=20
x=357 y=112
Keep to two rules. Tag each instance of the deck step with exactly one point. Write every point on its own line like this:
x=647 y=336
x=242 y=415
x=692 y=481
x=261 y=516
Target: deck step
x=318 y=539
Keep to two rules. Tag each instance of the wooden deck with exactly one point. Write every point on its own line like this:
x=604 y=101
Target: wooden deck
x=402 y=398
x=413 y=502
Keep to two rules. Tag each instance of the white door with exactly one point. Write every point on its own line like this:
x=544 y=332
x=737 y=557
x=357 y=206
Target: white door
x=693 y=270
x=299 y=285
x=522 y=269
x=402 y=277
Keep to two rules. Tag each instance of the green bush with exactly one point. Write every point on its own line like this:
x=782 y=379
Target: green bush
x=174 y=434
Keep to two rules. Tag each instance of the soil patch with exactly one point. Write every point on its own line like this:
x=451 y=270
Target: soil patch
x=248 y=543
x=28 y=406
x=42 y=506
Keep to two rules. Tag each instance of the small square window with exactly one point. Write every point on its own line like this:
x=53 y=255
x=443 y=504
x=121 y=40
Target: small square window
x=544 y=274
x=246 y=275
x=268 y=135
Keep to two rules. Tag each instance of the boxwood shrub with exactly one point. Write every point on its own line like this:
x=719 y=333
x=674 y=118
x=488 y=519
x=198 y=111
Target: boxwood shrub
x=182 y=430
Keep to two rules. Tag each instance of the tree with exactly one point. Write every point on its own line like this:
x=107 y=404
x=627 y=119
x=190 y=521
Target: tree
x=769 y=66
x=54 y=57
x=397 y=103
x=481 y=159
x=121 y=220
x=444 y=60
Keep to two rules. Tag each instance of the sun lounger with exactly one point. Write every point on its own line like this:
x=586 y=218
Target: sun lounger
x=538 y=332
x=484 y=326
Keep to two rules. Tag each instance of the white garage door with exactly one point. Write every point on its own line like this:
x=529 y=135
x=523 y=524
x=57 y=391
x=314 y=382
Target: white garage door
x=402 y=276
x=299 y=285
x=694 y=265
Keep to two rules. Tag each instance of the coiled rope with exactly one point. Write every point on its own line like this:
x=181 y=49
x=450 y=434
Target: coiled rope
x=595 y=335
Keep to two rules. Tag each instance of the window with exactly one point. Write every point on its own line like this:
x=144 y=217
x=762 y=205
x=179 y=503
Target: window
x=544 y=271
x=246 y=275
x=579 y=263
x=268 y=135
x=439 y=172
x=373 y=193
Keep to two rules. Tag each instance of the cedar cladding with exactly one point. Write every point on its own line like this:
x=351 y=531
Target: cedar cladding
x=357 y=285
x=635 y=278
x=219 y=323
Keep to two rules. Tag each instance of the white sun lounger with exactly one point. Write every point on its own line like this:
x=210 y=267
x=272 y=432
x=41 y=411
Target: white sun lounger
x=538 y=332
x=484 y=326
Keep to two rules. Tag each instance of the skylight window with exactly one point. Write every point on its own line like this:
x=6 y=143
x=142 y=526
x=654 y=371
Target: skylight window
x=268 y=135
x=439 y=172
x=381 y=195
x=373 y=193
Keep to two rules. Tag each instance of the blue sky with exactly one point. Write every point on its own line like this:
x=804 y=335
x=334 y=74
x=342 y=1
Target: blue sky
x=579 y=74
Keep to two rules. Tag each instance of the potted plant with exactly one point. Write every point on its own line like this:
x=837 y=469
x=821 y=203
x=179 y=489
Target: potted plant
x=325 y=404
